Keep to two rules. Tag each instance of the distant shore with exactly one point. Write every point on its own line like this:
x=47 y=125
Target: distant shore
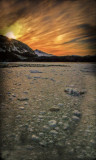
x=72 y=58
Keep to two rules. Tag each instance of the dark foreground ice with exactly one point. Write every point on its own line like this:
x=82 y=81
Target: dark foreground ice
x=48 y=111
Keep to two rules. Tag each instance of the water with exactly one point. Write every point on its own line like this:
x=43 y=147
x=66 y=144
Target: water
x=39 y=120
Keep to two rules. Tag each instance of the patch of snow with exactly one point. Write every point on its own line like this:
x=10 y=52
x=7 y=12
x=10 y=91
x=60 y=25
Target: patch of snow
x=15 y=49
x=20 y=57
x=24 y=50
x=41 y=54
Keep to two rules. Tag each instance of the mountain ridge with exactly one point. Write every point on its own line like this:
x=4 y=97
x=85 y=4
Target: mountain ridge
x=14 y=50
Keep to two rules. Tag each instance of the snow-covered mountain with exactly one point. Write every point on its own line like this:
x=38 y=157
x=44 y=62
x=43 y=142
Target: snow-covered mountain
x=42 y=54
x=14 y=50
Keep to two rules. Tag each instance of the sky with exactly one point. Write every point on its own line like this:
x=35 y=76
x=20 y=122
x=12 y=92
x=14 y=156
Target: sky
x=58 y=27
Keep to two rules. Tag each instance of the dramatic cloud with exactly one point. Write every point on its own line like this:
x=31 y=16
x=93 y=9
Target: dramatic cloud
x=59 y=27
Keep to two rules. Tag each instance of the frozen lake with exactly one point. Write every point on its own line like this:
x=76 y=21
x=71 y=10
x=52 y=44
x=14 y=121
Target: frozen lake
x=48 y=111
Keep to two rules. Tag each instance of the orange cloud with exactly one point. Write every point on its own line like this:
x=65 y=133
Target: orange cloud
x=56 y=27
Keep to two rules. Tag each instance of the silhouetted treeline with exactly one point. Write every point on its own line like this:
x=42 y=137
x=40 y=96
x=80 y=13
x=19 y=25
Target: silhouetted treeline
x=11 y=57
x=66 y=59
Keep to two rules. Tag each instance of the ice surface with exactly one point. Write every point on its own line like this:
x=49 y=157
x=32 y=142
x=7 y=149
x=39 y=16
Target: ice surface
x=38 y=115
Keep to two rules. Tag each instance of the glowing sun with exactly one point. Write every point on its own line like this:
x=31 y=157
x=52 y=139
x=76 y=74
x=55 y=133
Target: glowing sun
x=10 y=35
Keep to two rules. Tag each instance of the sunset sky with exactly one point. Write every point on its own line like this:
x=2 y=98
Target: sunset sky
x=58 y=27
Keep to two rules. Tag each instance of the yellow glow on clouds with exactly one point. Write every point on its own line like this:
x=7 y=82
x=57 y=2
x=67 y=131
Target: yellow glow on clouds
x=14 y=31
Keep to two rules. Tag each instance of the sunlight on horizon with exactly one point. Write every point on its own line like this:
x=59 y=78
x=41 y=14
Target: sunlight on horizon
x=10 y=35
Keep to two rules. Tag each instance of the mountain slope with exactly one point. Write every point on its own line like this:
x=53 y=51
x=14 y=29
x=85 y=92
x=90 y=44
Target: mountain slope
x=41 y=54
x=14 y=50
